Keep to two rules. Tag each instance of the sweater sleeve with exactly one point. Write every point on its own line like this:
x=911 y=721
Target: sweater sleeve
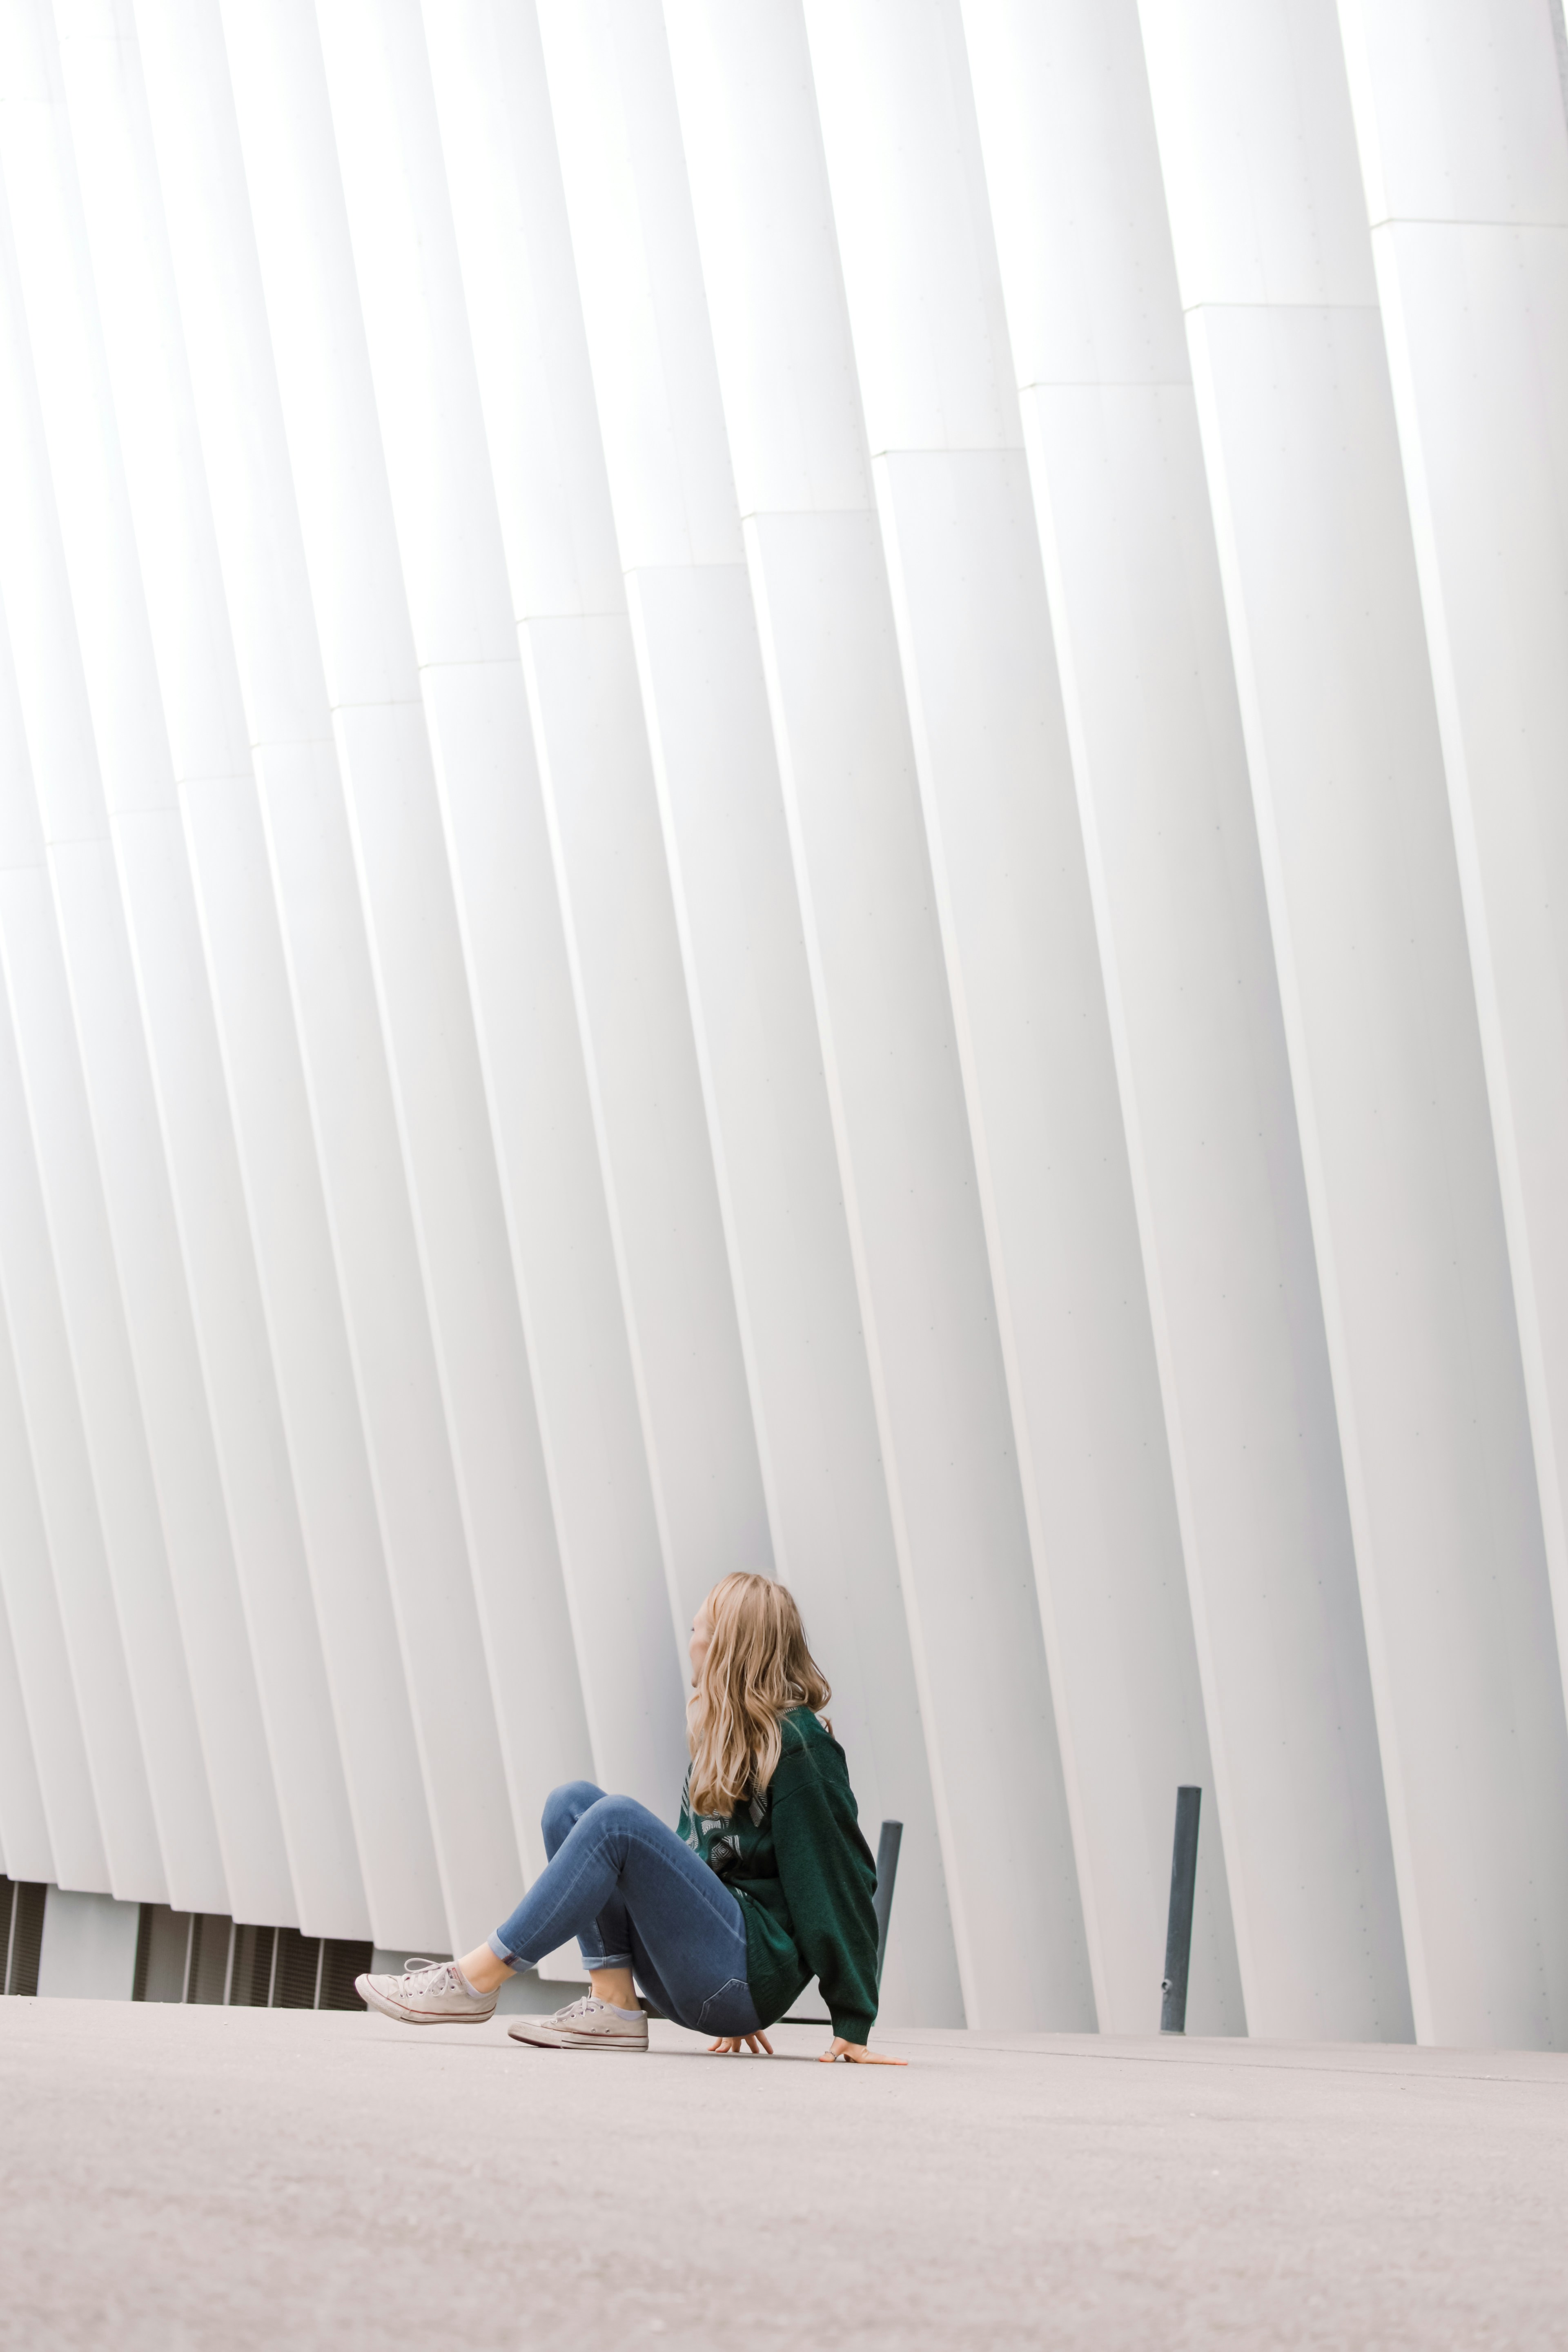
x=827 y=1877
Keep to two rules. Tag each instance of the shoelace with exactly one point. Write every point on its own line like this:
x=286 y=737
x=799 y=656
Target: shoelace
x=584 y=2008
x=416 y=1967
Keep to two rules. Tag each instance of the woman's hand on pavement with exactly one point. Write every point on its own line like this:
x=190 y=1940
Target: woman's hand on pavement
x=730 y=2046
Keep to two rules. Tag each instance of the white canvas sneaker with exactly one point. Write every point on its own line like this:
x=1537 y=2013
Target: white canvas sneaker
x=586 y=2024
x=428 y=1993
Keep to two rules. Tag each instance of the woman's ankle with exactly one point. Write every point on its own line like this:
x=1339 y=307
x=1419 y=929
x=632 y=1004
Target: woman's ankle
x=484 y=1970
x=614 y=1985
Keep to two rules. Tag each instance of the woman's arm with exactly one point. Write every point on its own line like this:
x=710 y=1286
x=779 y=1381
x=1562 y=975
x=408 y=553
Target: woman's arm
x=827 y=1875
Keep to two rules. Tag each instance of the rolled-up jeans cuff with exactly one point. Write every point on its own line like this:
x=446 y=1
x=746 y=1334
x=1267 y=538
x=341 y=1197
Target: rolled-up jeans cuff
x=606 y=1960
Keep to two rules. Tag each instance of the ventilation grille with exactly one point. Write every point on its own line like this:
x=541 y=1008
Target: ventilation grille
x=294 y=1976
x=202 y=1956
x=22 y=1933
x=340 y=1963
x=163 y=1948
x=206 y=1978
x=250 y=1978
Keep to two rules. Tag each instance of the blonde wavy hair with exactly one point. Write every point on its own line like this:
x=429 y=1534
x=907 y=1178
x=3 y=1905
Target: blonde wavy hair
x=757 y=1668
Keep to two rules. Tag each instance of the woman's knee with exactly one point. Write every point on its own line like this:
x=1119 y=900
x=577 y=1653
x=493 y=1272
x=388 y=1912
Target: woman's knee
x=616 y=1813
x=565 y=1807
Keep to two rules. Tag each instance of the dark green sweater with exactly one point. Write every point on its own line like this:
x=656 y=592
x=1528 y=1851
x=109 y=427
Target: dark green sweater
x=805 y=1877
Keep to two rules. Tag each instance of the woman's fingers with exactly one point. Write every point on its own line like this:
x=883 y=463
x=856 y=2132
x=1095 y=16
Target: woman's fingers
x=730 y=2046
x=857 y=2054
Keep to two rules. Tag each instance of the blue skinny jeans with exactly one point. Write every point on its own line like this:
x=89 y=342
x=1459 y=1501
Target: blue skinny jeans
x=635 y=1896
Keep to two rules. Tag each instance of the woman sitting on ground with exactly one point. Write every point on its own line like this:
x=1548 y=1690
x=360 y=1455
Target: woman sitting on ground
x=767 y=1883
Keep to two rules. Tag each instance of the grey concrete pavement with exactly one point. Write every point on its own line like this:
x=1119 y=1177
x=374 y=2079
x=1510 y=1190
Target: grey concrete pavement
x=193 y=2178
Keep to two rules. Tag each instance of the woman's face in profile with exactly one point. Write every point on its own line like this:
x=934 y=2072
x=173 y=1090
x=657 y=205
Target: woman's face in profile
x=701 y=1634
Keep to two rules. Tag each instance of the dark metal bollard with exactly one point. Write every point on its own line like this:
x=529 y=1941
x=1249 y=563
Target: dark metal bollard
x=888 y=1846
x=1179 y=1932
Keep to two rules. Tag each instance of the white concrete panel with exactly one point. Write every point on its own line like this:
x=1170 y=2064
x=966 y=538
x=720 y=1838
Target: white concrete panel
x=41 y=1740
x=1077 y=205
x=727 y=841
x=524 y=312
x=769 y=257
x=913 y=224
x=919 y=1249
x=1163 y=790
x=402 y=860
x=60 y=1825
x=625 y=1606
x=508 y=1719
x=1257 y=152
x=191 y=646
x=96 y=1483
x=1033 y=1040
x=1464 y=145
x=1336 y=697
x=89 y=1951
x=832 y=1517
x=120 y=1090
x=541 y=426
x=55 y=1783
x=252 y=1451
x=38 y=603
x=317 y=1133
x=24 y=1850
x=406 y=1723
x=1458 y=112
x=119 y=922
x=595 y=1487
x=659 y=409
x=875 y=953
x=598 y=775
x=1052 y=1161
